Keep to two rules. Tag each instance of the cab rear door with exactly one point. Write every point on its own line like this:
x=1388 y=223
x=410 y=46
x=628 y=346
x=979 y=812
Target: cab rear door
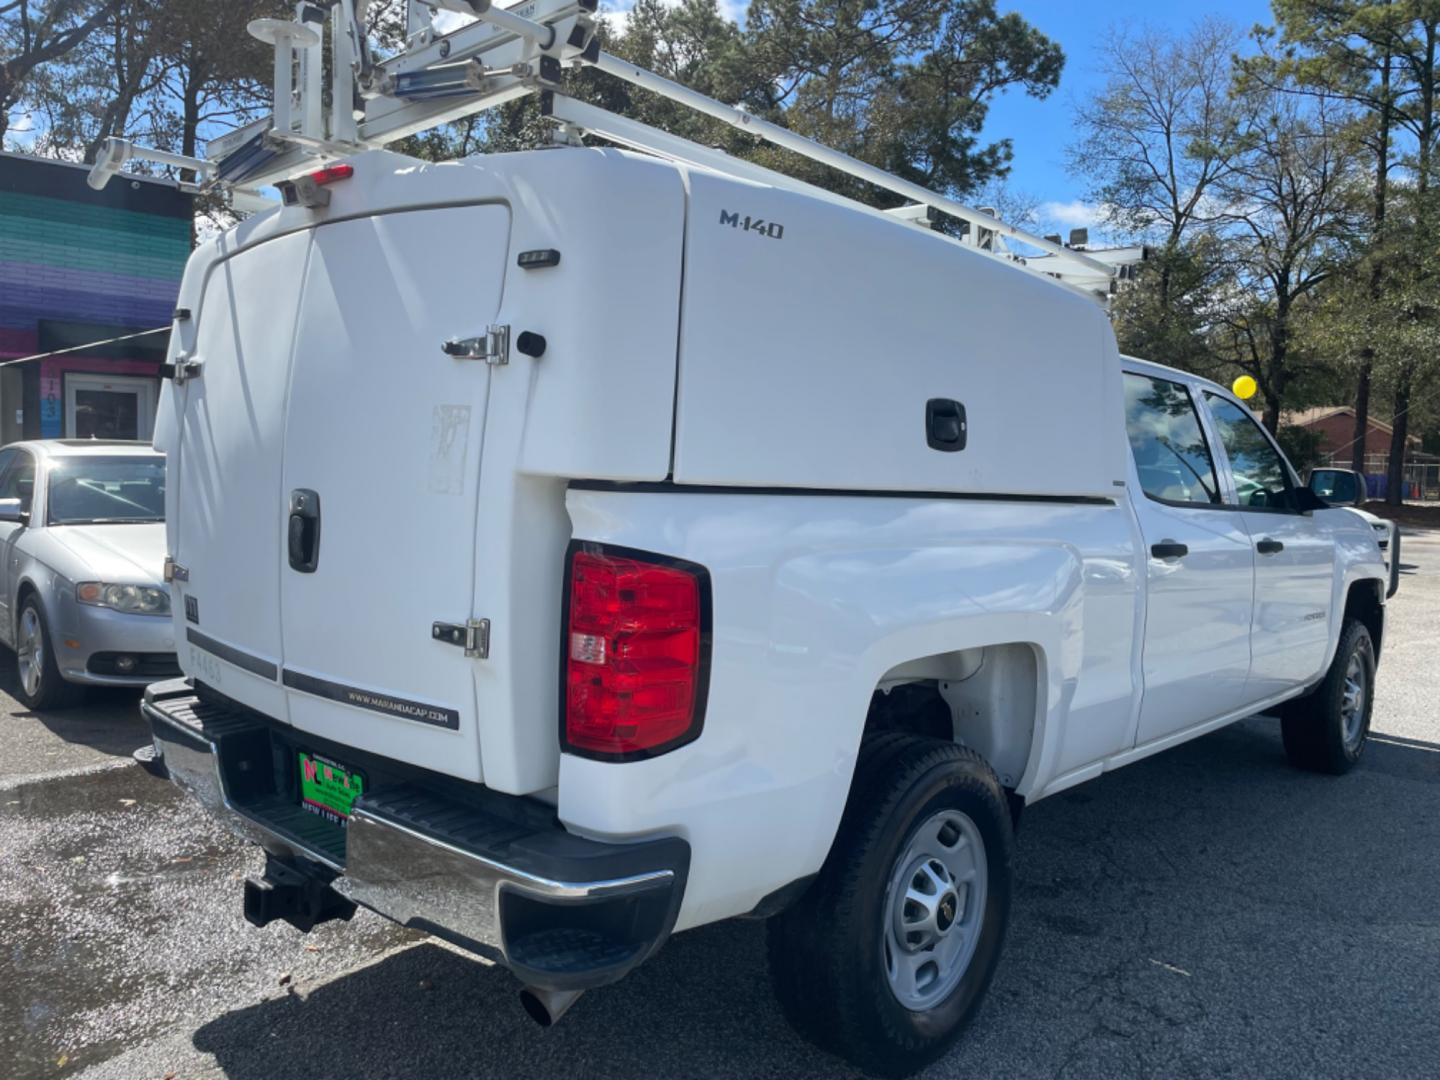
x=1294 y=555
x=1198 y=559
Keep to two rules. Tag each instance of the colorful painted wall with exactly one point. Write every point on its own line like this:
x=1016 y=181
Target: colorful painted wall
x=77 y=265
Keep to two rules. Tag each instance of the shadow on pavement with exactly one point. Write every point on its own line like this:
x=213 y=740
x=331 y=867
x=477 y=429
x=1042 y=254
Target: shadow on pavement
x=702 y=1008
x=1209 y=911
x=107 y=720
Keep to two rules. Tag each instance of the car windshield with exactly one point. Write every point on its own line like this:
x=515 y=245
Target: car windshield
x=95 y=490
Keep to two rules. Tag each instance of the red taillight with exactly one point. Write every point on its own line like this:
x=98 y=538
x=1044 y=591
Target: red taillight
x=635 y=642
x=331 y=173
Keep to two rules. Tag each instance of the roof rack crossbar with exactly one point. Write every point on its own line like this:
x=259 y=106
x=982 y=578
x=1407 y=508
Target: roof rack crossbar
x=505 y=54
x=790 y=140
x=593 y=120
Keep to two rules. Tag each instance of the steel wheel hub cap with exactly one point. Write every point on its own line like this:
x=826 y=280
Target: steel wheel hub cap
x=934 y=908
x=1352 y=700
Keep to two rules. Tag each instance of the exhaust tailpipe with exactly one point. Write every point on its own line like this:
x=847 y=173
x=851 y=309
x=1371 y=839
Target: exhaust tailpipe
x=546 y=1007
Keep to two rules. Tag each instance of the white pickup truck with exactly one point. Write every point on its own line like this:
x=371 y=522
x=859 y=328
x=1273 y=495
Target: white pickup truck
x=570 y=548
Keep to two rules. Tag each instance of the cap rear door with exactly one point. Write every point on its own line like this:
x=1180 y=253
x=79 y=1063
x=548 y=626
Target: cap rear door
x=383 y=439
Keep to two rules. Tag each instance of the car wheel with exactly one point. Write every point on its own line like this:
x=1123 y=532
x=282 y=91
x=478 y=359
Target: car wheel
x=1325 y=731
x=886 y=957
x=41 y=685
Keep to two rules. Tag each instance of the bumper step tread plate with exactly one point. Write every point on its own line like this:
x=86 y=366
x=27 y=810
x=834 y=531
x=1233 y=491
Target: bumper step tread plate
x=493 y=873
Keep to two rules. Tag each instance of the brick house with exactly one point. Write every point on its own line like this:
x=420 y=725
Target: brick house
x=80 y=266
x=1336 y=427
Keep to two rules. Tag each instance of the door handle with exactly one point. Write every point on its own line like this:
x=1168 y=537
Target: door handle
x=304 y=530
x=1269 y=547
x=1169 y=549
x=945 y=425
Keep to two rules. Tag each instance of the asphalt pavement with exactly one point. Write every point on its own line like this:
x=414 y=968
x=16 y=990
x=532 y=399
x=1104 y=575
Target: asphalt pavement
x=1208 y=912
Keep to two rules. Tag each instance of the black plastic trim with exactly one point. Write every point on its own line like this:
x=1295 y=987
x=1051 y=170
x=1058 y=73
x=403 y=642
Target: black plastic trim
x=241 y=659
x=670 y=487
x=538 y=259
x=1393 y=586
x=150 y=665
x=776 y=901
x=373 y=700
x=702 y=677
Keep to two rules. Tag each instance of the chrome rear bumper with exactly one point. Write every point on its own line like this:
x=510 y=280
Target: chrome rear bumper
x=497 y=875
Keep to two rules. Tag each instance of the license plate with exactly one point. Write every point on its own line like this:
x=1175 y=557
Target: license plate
x=328 y=788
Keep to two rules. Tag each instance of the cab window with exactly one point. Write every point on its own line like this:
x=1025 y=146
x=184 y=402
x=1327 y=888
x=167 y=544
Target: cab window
x=1171 y=454
x=1261 y=479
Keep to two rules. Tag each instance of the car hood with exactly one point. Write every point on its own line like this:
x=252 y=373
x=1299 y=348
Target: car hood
x=126 y=554
x=1370 y=519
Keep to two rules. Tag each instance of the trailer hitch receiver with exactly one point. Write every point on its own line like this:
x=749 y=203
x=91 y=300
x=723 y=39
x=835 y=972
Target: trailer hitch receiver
x=300 y=899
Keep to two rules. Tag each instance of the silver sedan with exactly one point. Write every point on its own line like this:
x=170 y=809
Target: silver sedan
x=82 y=524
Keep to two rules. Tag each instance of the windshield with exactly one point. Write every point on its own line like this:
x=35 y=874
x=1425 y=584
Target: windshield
x=95 y=490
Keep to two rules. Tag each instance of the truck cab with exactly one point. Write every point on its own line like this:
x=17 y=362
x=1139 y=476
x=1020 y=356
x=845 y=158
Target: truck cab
x=1250 y=575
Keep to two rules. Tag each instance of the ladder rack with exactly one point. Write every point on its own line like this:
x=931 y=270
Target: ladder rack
x=505 y=54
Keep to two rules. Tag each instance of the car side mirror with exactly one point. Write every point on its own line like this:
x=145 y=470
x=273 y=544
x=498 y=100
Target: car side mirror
x=1338 y=487
x=14 y=510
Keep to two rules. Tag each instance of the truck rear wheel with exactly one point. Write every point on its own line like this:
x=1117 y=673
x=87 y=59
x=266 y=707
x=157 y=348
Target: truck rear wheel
x=1325 y=730
x=885 y=959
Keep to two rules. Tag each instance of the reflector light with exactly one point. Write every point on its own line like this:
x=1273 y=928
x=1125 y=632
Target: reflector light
x=331 y=173
x=636 y=664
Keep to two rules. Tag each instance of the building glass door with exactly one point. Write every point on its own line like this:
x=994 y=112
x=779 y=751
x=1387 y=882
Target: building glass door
x=109 y=407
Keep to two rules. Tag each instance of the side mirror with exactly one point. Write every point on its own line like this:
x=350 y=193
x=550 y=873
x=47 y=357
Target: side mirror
x=14 y=510
x=1338 y=487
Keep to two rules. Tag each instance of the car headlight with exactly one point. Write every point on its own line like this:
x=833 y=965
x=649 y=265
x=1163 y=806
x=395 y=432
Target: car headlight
x=132 y=599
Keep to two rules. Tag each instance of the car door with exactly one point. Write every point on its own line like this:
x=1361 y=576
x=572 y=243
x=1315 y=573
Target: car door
x=17 y=481
x=1199 y=564
x=1294 y=555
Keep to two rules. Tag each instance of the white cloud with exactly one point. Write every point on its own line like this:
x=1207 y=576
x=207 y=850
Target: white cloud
x=1074 y=214
x=445 y=21
x=617 y=12
x=617 y=15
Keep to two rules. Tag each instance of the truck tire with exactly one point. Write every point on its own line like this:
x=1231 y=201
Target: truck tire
x=1325 y=730
x=885 y=958
x=40 y=684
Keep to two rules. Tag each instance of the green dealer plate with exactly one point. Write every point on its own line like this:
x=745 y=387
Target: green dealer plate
x=328 y=788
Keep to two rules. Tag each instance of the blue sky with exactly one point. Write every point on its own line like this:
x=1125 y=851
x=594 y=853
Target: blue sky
x=1041 y=130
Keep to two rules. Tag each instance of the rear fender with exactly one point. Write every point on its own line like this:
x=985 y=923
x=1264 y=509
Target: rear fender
x=806 y=628
x=1026 y=595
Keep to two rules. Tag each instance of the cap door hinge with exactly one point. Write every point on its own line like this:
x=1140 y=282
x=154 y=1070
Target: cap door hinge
x=173 y=571
x=473 y=636
x=493 y=346
x=184 y=368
